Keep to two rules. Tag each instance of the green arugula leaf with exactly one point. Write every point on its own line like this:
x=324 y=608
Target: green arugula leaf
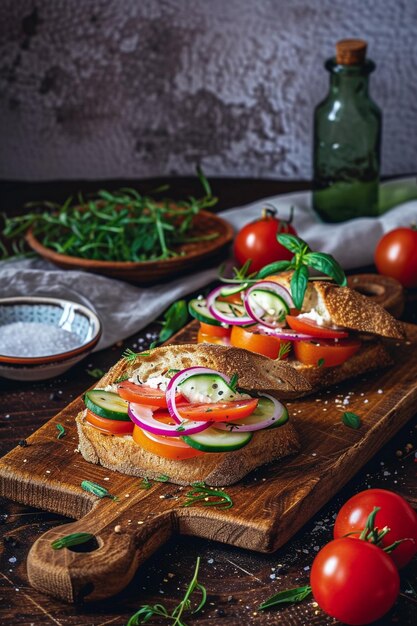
x=297 y=594
x=299 y=282
x=274 y=268
x=326 y=264
x=352 y=420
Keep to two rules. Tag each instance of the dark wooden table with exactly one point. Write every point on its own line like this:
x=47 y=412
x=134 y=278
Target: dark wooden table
x=236 y=580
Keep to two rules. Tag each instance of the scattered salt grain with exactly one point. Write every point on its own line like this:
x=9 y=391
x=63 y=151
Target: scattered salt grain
x=33 y=339
x=12 y=559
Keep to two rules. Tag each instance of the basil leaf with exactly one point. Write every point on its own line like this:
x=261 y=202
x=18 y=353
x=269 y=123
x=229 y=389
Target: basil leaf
x=274 y=268
x=289 y=595
x=299 y=282
x=327 y=264
x=352 y=420
x=175 y=318
x=291 y=242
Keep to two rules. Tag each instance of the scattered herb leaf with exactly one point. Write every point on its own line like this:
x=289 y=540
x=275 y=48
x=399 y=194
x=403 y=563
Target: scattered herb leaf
x=71 y=540
x=200 y=494
x=352 y=420
x=97 y=490
x=96 y=372
x=145 y=484
x=297 y=594
x=233 y=382
x=130 y=356
x=148 y=611
x=163 y=478
x=61 y=431
x=320 y=362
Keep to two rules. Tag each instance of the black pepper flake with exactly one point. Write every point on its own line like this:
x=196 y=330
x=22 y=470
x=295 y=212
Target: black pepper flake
x=23 y=443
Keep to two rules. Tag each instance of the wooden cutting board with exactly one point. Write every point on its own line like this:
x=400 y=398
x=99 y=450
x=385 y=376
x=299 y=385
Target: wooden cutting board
x=270 y=505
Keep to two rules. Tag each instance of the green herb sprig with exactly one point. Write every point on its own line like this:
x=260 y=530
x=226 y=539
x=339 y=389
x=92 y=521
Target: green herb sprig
x=130 y=356
x=95 y=373
x=289 y=596
x=303 y=258
x=148 y=611
x=206 y=496
x=113 y=226
x=61 y=431
x=97 y=490
x=68 y=541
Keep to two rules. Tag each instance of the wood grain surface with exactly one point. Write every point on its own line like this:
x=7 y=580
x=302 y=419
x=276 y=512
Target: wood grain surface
x=237 y=580
x=270 y=505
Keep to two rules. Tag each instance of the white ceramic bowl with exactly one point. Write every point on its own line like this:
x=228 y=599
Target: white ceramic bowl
x=55 y=312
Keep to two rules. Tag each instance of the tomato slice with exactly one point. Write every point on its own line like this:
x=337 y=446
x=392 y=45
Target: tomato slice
x=206 y=338
x=219 y=411
x=110 y=427
x=142 y=394
x=251 y=339
x=215 y=331
x=167 y=447
x=325 y=352
x=311 y=328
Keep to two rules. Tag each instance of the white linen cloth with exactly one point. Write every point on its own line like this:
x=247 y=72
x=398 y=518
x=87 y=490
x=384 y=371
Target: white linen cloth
x=126 y=309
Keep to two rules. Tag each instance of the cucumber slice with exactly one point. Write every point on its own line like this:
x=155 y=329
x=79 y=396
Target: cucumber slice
x=107 y=404
x=231 y=291
x=207 y=388
x=264 y=411
x=198 y=309
x=214 y=440
x=267 y=304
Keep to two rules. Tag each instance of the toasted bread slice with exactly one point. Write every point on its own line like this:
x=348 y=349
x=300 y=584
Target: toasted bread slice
x=345 y=307
x=255 y=373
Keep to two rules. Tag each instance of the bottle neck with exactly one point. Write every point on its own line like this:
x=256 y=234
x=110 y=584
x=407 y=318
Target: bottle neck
x=349 y=79
x=347 y=85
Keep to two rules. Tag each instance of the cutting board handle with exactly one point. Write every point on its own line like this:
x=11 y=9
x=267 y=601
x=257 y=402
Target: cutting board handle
x=101 y=567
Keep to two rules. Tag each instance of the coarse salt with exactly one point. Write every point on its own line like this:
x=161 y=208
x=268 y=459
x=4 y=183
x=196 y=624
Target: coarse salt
x=34 y=339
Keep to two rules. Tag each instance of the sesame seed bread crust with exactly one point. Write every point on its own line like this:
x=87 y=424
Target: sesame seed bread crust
x=255 y=373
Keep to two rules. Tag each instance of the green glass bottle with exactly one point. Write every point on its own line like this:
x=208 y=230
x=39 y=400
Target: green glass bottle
x=347 y=139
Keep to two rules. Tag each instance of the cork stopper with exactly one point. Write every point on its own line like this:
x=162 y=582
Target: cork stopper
x=351 y=51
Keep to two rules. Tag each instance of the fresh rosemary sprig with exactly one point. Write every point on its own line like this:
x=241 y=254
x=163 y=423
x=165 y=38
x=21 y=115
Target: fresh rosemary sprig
x=148 y=611
x=284 y=349
x=113 y=226
x=200 y=494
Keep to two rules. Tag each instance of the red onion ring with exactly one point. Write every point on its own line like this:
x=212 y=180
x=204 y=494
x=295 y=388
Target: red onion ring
x=222 y=317
x=143 y=417
x=179 y=378
x=275 y=288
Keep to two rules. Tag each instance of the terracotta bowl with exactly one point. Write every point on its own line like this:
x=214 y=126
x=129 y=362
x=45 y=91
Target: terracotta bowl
x=75 y=318
x=190 y=254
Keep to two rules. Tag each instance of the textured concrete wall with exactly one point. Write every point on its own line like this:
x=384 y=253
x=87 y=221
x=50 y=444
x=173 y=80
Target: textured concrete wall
x=109 y=88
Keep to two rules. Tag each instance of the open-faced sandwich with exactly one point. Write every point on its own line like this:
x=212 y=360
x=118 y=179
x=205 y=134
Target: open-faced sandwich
x=326 y=331
x=190 y=413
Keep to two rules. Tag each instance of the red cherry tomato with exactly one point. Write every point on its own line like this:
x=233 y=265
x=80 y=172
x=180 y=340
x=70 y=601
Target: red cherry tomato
x=395 y=513
x=258 y=241
x=354 y=581
x=396 y=256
